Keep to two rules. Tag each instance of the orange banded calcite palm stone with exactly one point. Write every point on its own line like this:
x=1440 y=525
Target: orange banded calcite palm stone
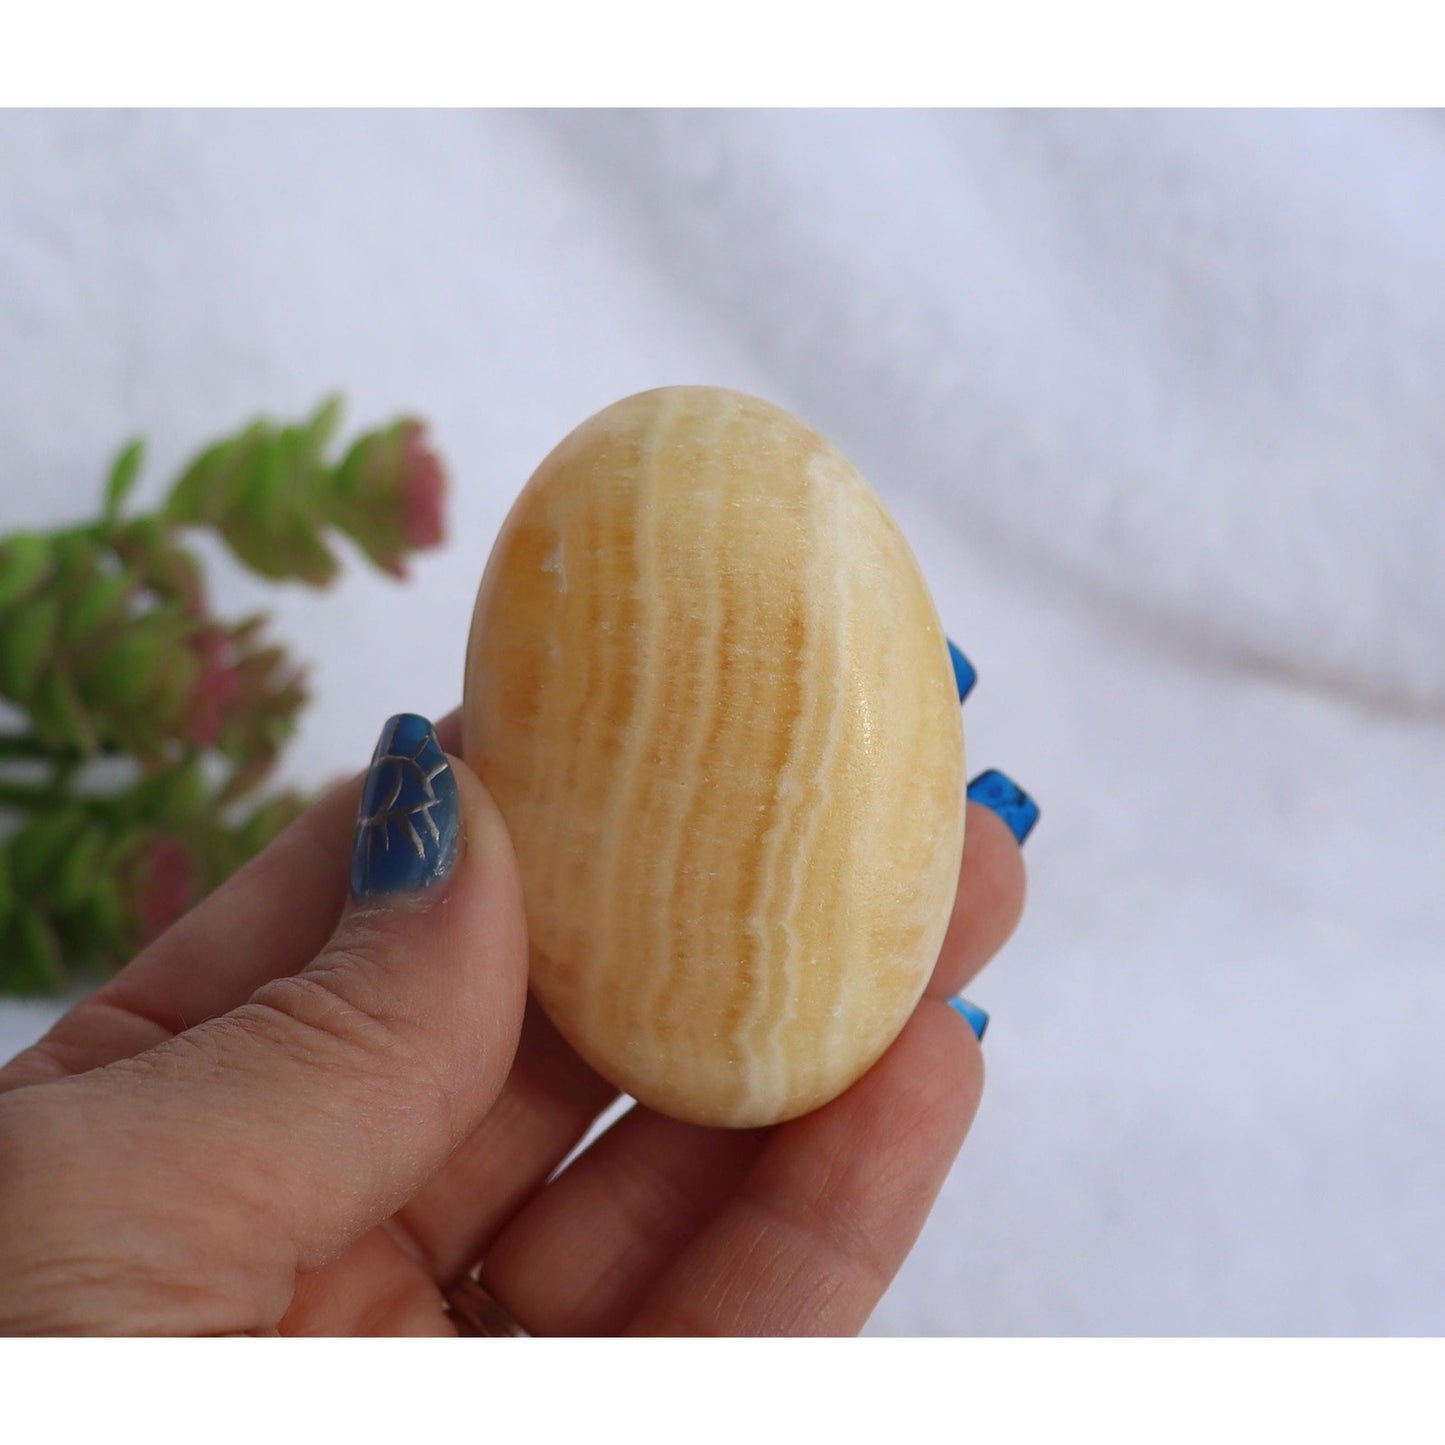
x=708 y=688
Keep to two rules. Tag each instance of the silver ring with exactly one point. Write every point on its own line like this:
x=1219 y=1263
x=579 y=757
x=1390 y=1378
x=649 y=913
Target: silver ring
x=476 y=1314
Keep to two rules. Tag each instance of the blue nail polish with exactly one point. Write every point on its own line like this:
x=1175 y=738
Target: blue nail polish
x=409 y=820
x=998 y=791
x=963 y=673
x=975 y=1016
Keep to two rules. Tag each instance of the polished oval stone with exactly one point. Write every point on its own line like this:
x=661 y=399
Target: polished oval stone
x=709 y=690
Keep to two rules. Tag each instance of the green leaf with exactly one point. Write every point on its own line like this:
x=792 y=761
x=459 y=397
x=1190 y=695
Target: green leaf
x=95 y=602
x=209 y=489
x=173 y=684
x=30 y=956
x=130 y=835
x=25 y=560
x=175 y=795
x=77 y=554
x=39 y=848
x=149 y=549
x=76 y=878
x=324 y=424
x=292 y=551
x=27 y=639
x=102 y=921
x=192 y=495
x=263 y=492
x=123 y=476
x=59 y=714
x=125 y=674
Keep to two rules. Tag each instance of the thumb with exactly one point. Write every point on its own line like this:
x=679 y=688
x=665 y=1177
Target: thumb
x=320 y=1106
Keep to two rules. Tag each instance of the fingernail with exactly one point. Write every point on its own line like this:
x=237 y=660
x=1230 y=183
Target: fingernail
x=998 y=791
x=975 y=1016
x=963 y=673
x=409 y=820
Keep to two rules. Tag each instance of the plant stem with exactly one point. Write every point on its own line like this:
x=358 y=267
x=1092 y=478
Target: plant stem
x=29 y=797
x=64 y=774
x=25 y=745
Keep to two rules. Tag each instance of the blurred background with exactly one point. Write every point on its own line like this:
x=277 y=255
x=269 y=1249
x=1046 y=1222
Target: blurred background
x=1159 y=399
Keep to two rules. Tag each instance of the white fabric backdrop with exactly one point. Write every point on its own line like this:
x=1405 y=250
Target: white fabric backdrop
x=1158 y=401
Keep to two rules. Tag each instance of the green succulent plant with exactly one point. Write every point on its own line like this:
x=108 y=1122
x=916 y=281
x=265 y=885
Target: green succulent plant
x=143 y=725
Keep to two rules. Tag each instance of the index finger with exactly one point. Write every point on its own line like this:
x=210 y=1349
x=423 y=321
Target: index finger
x=820 y=1225
x=268 y=919
x=988 y=905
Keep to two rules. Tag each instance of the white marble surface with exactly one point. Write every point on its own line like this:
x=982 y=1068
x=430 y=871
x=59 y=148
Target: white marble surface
x=1157 y=400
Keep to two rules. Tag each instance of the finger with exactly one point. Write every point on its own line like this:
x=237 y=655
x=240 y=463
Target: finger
x=268 y=919
x=582 y=1257
x=550 y=1100
x=540 y=1120
x=374 y=1289
x=647 y=1184
x=267 y=1140
x=989 y=903
x=825 y=1217
x=553 y=1098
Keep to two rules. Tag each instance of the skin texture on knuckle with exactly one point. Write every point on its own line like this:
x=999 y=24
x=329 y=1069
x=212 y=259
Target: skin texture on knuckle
x=335 y=1021
x=315 y=1020
x=17 y=1129
x=99 y=1234
x=89 y=1286
x=146 y=1192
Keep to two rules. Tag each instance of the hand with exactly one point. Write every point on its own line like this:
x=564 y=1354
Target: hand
x=301 y=1113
